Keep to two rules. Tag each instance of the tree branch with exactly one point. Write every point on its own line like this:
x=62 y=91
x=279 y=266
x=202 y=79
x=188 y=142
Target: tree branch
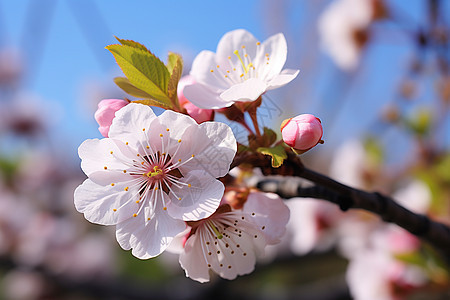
x=346 y=197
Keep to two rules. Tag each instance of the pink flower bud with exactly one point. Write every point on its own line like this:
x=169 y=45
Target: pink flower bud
x=198 y=114
x=302 y=132
x=106 y=112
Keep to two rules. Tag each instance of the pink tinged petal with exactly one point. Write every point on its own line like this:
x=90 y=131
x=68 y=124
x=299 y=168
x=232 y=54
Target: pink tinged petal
x=200 y=115
x=283 y=78
x=203 y=97
x=269 y=213
x=276 y=48
x=184 y=81
x=192 y=260
x=249 y=90
x=203 y=63
x=213 y=145
x=130 y=122
x=198 y=201
x=105 y=205
x=106 y=112
x=232 y=41
x=148 y=238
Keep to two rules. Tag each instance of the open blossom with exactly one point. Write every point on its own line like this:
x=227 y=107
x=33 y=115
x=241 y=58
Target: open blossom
x=152 y=174
x=242 y=69
x=343 y=29
x=229 y=241
x=200 y=115
x=106 y=112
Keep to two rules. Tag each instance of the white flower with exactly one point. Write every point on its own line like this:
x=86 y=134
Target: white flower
x=343 y=30
x=229 y=241
x=152 y=174
x=242 y=69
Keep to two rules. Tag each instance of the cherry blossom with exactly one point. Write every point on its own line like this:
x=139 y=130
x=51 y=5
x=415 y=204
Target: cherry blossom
x=152 y=174
x=242 y=69
x=343 y=30
x=229 y=241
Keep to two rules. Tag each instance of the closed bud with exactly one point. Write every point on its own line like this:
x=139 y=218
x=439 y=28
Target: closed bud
x=106 y=112
x=302 y=132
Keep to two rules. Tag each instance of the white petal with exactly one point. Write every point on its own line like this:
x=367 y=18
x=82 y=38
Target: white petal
x=268 y=211
x=201 y=96
x=148 y=238
x=176 y=122
x=198 y=201
x=283 y=78
x=232 y=41
x=203 y=63
x=192 y=260
x=214 y=147
x=129 y=123
x=249 y=90
x=276 y=47
x=95 y=155
x=98 y=202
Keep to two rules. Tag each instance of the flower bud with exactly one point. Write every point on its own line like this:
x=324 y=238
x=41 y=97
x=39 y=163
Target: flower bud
x=106 y=112
x=302 y=132
x=198 y=114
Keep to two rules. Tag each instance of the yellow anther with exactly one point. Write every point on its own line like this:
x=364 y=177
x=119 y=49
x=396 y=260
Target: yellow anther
x=229 y=57
x=228 y=71
x=126 y=143
x=135 y=215
x=245 y=55
x=267 y=54
x=226 y=76
x=179 y=160
x=148 y=219
x=217 y=66
x=143 y=129
x=111 y=152
x=179 y=198
x=165 y=208
x=142 y=162
x=148 y=147
x=179 y=141
x=126 y=189
x=124 y=171
x=114 y=209
x=167 y=129
x=156 y=188
x=189 y=185
x=243 y=46
x=258 y=43
x=156 y=172
x=212 y=71
x=161 y=135
x=137 y=201
x=193 y=155
x=242 y=75
x=112 y=184
x=138 y=154
x=105 y=167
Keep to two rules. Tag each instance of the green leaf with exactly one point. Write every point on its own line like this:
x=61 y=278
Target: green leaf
x=133 y=44
x=126 y=85
x=152 y=102
x=269 y=136
x=144 y=70
x=175 y=68
x=278 y=154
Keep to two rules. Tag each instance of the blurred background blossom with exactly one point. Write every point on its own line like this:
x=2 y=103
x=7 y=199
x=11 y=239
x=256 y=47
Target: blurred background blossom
x=376 y=72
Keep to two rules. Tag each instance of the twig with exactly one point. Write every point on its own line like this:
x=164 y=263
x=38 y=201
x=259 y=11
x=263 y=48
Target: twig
x=346 y=197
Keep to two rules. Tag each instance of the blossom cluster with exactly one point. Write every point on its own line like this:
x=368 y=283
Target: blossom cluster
x=164 y=180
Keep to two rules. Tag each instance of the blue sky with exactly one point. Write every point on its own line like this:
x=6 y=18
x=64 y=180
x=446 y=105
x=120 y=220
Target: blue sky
x=64 y=40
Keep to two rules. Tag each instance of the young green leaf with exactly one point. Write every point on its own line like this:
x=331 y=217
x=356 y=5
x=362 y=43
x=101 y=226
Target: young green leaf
x=152 y=102
x=278 y=154
x=144 y=70
x=130 y=89
x=175 y=67
x=132 y=44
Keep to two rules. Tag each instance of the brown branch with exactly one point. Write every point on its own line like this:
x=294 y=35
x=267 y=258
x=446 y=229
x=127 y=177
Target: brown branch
x=346 y=197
